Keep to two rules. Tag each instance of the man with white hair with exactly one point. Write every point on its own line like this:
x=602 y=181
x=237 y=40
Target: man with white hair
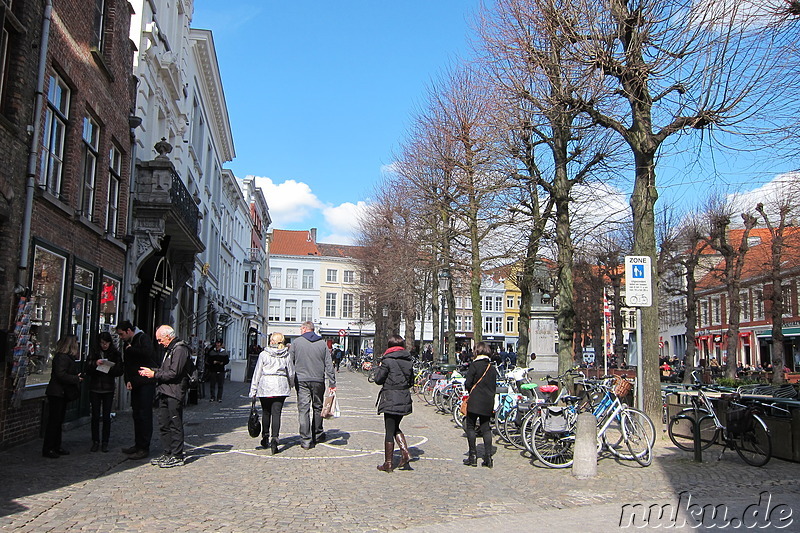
x=172 y=380
x=312 y=364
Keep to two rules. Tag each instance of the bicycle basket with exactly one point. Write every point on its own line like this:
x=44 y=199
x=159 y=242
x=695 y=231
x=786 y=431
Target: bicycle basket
x=555 y=420
x=622 y=387
x=739 y=420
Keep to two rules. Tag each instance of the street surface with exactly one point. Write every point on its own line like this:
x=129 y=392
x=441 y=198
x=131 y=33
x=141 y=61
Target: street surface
x=229 y=485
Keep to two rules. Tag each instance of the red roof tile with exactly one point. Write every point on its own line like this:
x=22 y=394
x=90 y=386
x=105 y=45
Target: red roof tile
x=288 y=242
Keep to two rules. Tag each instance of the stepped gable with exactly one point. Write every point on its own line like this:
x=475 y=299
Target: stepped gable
x=290 y=242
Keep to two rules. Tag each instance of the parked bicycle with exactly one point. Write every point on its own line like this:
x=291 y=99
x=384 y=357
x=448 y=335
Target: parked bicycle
x=744 y=431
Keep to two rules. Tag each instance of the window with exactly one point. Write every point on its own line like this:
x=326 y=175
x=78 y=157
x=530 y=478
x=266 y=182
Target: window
x=715 y=306
x=509 y=302
x=275 y=277
x=487 y=324
x=274 y=313
x=98 y=33
x=91 y=135
x=459 y=302
x=758 y=304
x=349 y=276
x=308 y=279
x=459 y=323
x=250 y=285
x=786 y=293
x=330 y=304
x=291 y=278
x=331 y=277
x=291 y=311
x=744 y=298
x=487 y=303
x=112 y=209
x=468 y=323
x=498 y=324
x=109 y=300
x=363 y=306
x=347 y=306
x=306 y=311
x=198 y=129
x=498 y=303
x=49 y=270
x=55 y=129
x=3 y=60
x=510 y=323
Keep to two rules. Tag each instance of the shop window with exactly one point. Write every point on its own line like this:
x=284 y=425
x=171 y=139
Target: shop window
x=109 y=303
x=47 y=294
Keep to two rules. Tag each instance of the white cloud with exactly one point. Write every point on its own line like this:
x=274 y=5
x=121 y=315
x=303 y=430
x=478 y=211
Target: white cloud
x=342 y=220
x=289 y=202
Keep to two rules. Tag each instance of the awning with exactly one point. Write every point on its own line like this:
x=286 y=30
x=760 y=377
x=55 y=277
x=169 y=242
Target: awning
x=787 y=332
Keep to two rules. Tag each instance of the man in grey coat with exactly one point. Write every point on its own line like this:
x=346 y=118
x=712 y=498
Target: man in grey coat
x=312 y=364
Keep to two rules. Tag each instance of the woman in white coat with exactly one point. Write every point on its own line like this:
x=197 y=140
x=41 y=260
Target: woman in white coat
x=272 y=383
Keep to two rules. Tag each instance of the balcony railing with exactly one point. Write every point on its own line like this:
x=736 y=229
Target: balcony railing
x=183 y=203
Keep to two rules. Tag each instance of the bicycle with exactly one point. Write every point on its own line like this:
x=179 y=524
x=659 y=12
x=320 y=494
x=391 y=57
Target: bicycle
x=745 y=432
x=553 y=433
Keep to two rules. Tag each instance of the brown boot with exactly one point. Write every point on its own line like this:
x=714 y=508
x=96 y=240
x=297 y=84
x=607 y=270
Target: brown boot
x=388 y=452
x=405 y=456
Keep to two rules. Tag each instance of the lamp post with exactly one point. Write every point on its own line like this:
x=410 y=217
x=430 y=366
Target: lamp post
x=444 y=285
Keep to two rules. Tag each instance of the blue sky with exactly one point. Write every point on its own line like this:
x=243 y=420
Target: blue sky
x=320 y=93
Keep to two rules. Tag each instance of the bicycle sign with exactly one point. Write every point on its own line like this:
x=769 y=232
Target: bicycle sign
x=638 y=281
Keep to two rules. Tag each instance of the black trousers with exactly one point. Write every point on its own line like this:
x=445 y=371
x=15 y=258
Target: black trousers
x=271 y=409
x=482 y=423
x=56 y=410
x=101 y=410
x=392 y=425
x=216 y=379
x=142 y=397
x=170 y=421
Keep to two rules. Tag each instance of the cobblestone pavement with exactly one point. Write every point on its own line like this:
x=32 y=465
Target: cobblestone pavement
x=230 y=485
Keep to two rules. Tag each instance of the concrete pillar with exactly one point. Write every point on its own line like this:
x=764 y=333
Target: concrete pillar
x=584 y=463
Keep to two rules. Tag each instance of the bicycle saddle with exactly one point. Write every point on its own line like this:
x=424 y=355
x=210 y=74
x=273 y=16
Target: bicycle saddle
x=548 y=388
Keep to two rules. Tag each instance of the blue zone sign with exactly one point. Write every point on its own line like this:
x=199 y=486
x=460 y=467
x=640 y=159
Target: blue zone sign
x=638 y=275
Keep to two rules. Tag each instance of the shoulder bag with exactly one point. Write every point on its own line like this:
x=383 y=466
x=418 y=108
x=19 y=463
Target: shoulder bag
x=463 y=407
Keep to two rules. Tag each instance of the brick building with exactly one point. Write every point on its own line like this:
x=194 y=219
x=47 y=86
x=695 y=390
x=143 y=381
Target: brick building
x=71 y=257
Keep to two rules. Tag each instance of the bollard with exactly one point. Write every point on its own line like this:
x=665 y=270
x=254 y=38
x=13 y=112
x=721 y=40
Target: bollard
x=584 y=463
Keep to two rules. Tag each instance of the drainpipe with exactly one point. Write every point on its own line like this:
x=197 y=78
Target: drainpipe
x=22 y=267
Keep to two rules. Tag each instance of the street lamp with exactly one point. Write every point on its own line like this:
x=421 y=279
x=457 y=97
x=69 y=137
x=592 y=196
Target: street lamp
x=444 y=285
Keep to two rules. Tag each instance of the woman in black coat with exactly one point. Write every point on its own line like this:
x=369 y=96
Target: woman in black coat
x=480 y=381
x=103 y=368
x=396 y=375
x=63 y=387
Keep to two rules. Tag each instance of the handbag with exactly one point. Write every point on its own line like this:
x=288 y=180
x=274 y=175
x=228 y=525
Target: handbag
x=464 y=400
x=253 y=422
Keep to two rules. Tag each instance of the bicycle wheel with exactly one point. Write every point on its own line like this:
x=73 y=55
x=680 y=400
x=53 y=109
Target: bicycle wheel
x=513 y=429
x=754 y=446
x=681 y=430
x=427 y=391
x=555 y=450
x=636 y=439
x=499 y=419
x=526 y=428
x=458 y=418
x=371 y=375
x=614 y=437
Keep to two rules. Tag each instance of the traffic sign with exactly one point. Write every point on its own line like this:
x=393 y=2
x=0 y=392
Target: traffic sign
x=638 y=281
x=342 y=333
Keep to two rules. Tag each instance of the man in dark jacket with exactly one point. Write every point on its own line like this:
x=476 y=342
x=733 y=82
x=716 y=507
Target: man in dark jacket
x=172 y=379
x=138 y=353
x=216 y=359
x=312 y=364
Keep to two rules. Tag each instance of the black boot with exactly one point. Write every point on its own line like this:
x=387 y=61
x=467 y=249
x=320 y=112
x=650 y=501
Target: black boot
x=388 y=452
x=405 y=456
x=472 y=459
x=273 y=446
x=487 y=461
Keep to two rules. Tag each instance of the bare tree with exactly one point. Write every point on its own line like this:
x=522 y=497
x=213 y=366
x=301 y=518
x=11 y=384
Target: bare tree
x=733 y=253
x=786 y=206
